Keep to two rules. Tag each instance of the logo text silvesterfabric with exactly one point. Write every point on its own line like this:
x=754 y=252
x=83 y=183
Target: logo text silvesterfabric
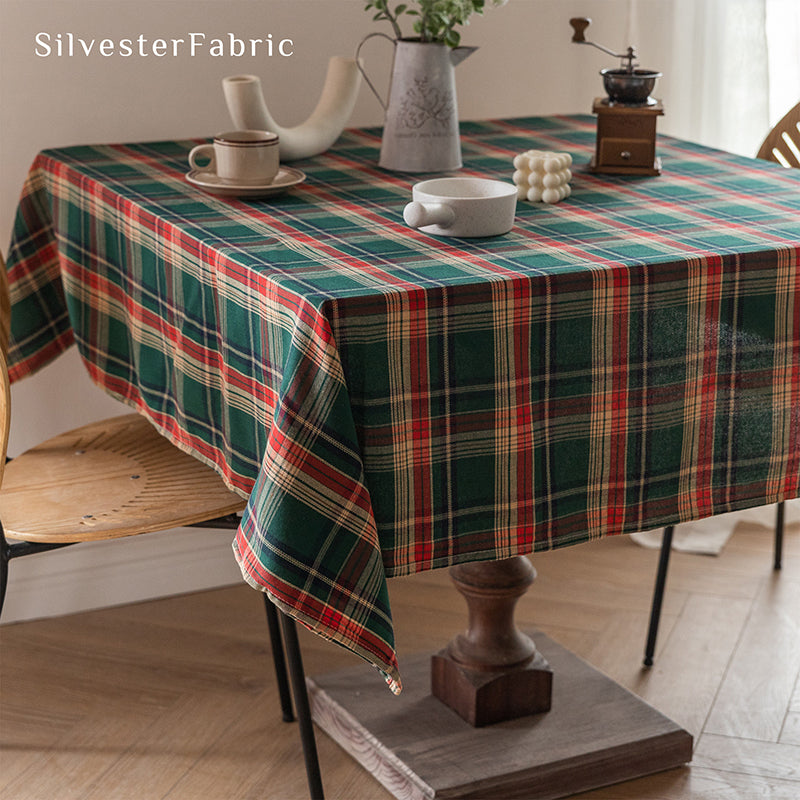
x=69 y=45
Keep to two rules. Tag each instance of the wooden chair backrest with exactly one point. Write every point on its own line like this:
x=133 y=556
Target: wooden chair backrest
x=5 y=390
x=782 y=144
x=5 y=308
x=5 y=413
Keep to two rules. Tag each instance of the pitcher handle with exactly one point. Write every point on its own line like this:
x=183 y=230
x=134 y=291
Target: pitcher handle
x=361 y=68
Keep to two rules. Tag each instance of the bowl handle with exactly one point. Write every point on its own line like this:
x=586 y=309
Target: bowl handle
x=418 y=214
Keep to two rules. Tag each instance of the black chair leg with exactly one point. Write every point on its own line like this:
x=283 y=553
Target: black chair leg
x=779 y=516
x=16 y=550
x=301 y=704
x=658 y=595
x=279 y=659
x=5 y=557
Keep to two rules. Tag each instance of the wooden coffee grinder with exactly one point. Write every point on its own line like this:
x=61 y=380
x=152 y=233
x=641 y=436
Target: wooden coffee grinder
x=626 y=117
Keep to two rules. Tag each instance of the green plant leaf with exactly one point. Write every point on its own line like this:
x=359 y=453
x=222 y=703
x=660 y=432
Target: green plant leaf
x=452 y=38
x=435 y=20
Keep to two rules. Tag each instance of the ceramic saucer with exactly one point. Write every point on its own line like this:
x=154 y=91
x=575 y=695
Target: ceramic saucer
x=212 y=183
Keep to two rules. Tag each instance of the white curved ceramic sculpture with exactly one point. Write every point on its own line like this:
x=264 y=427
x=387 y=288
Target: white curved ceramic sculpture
x=248 y=109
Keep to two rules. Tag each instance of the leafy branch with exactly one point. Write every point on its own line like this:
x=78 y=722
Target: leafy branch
x=436 y=20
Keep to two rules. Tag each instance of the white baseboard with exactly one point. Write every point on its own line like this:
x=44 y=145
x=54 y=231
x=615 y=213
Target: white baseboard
x=101 y=574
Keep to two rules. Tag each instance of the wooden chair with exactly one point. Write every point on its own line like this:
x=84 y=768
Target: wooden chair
x=782 y=146
x=5 y=309
x=106 y=480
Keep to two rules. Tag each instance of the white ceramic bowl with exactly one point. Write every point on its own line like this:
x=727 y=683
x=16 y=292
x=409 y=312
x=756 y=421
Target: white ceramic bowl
x=466 y=207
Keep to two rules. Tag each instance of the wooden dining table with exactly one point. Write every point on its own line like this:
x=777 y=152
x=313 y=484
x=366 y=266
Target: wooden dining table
x=391 y=401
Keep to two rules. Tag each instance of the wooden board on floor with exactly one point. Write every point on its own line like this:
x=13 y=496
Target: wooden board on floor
x=596 y=734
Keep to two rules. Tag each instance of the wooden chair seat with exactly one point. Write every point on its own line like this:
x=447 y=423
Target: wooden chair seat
x=109 y=479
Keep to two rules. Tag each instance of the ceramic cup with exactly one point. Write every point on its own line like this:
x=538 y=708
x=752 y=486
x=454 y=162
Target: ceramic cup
x=245 y=157
x=464 y=207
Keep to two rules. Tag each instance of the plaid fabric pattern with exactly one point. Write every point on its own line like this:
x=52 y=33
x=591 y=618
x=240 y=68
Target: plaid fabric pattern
x=391 y=402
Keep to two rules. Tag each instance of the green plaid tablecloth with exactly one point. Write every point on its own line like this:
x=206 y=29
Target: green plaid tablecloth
x=392 y=402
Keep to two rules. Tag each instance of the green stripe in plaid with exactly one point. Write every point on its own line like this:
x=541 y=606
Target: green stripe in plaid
x=393 y=402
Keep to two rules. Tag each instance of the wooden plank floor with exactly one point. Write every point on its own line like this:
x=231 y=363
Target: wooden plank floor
x=176 y=698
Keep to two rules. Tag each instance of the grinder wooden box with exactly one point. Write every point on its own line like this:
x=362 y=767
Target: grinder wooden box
x=626 y=138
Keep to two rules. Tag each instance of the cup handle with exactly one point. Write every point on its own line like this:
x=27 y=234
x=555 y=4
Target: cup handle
x=203 y=151
x=418 y=214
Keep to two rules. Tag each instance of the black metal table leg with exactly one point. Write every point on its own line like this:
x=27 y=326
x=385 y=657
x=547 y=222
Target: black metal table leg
x=658 y=595
x=279 y=659
x=302 y=707
x=779 y=516
x=5 y=557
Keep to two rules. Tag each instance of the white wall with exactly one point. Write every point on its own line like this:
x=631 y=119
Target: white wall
x=525 y=65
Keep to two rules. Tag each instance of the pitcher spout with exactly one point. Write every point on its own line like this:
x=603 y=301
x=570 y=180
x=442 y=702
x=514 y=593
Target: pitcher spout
x=458 y=54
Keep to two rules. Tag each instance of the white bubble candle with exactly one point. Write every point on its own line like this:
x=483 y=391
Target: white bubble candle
x=542 y=176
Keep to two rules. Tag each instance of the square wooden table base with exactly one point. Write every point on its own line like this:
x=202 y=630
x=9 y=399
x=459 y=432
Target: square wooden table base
x=597 y=733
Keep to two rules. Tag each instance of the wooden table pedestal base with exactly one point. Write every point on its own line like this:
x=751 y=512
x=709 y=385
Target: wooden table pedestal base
x=484 y=698
x=492 y=672
x=596 y=734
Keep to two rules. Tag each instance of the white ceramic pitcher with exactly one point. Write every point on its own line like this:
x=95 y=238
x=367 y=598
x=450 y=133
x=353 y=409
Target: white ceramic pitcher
x=420 y=131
